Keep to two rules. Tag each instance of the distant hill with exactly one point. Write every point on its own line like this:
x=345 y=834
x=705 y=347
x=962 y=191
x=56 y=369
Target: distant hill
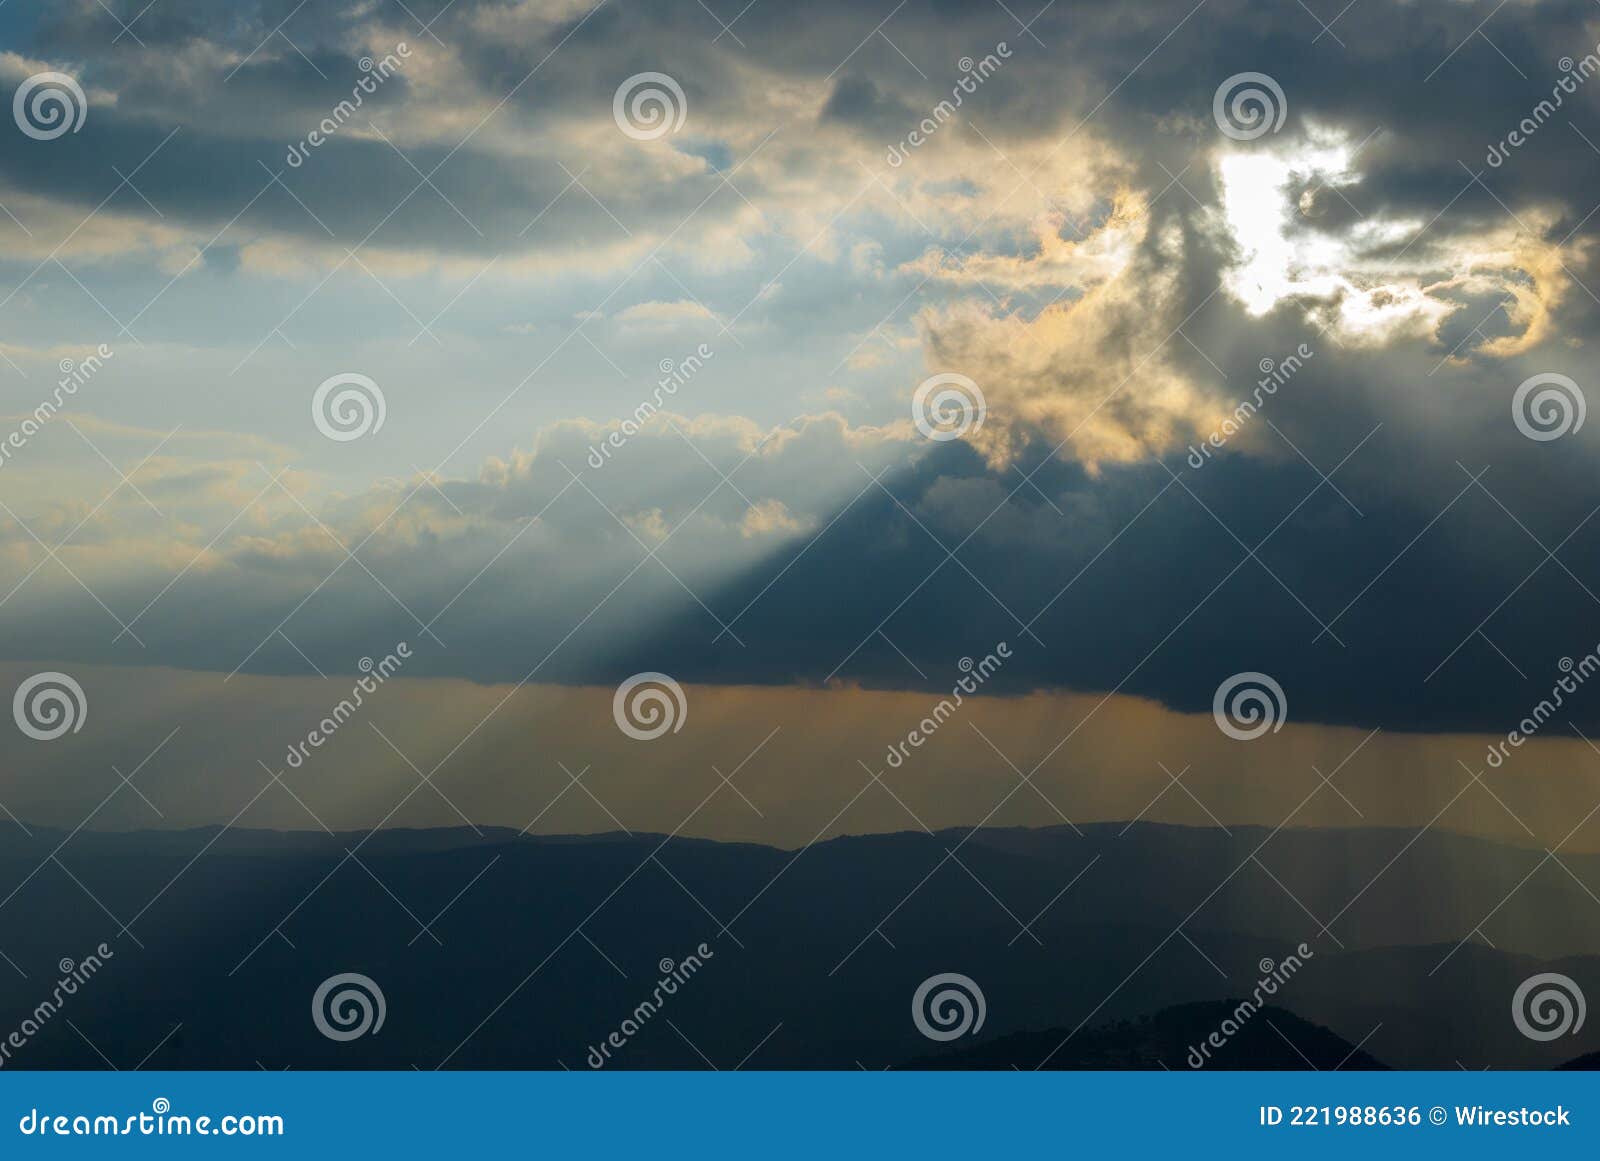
x=1388 y=886
x=1270 y=1038
x=498 y=950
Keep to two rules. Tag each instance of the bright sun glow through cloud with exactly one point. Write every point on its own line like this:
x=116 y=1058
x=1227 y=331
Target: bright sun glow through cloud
x=1269 y=202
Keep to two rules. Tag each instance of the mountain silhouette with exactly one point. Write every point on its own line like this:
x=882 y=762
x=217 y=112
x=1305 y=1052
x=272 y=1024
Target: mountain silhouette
x=1268 y=1038
x=498 y=950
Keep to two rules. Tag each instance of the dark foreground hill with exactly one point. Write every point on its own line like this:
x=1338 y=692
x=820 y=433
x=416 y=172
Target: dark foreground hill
x=494 y=950
x=1175 y=1038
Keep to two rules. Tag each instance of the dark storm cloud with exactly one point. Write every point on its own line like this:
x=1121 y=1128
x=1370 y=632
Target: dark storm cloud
x=1395 y=74
x=1126 y=581
x=1400 y=593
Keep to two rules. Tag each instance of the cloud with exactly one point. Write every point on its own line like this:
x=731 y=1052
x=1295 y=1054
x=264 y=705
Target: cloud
x=205 y=555
x=1082 y=243
x=768 y=518
x=1091 y=375
x=664 y=315
x=1357 y=281
x=473 y=742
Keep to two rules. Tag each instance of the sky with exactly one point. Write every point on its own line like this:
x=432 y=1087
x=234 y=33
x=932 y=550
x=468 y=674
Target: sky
x=805 y=357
